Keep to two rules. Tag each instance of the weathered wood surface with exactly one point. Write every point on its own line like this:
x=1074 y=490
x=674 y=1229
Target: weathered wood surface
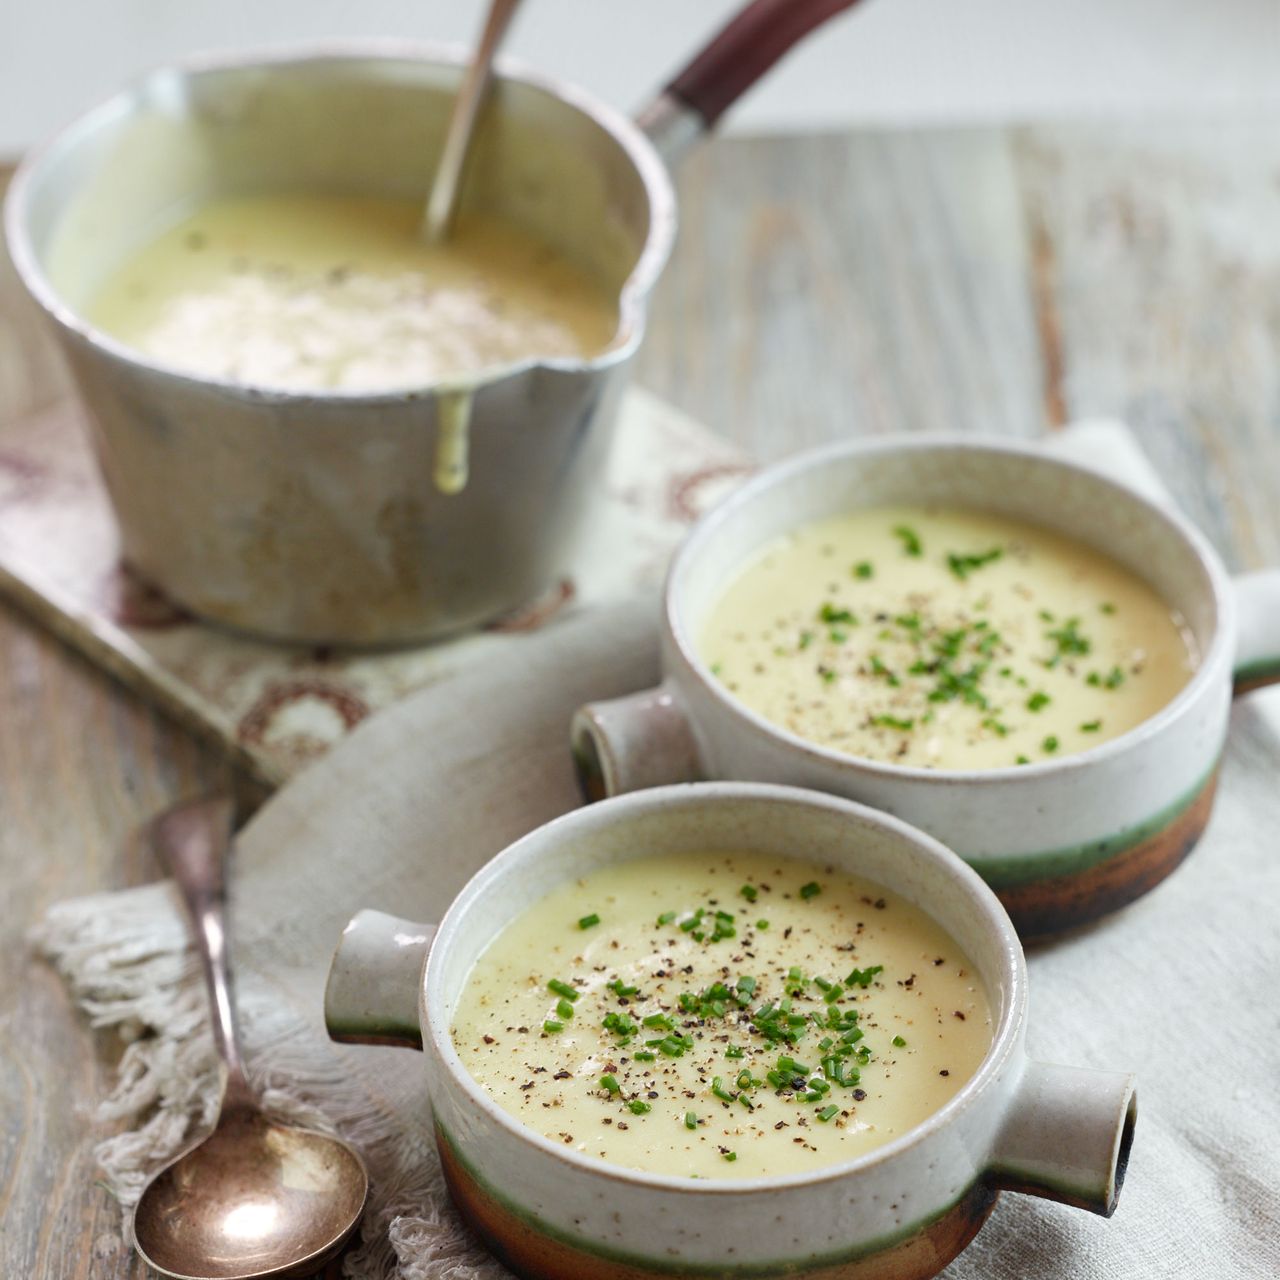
x=989 y=280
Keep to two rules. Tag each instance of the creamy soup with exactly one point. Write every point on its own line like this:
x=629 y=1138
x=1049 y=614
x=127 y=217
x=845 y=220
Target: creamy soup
x=722 y=1016
x=341 y=292
x=948 y=639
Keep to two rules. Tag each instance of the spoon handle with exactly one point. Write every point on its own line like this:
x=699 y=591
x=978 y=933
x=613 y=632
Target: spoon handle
x=192 y=840
x=443 y=201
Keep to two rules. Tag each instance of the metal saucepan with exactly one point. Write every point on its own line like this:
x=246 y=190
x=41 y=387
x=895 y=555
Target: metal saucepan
x=319 y=516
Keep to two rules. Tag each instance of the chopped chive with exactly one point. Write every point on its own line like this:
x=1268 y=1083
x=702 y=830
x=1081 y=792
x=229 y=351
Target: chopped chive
x=690 y=1120
x=620 y=988
x=619 y=1024
x=587 y=921
x=644 y=1056
x=828 y=1113
x=1068 y=642
x=666 y=917
x=1107 y=607
x=717 y=1087
x=610 y=1083
x=862 y=977
x=898 y=1042
x=806 y=639
x=892 y=722
x=750 y=892
x=911 y=544
x=1023 y=760
x=1091 y=726
x=1038 y=701
x=563 y=989
x=551 y=1026
x=963 y=565
x=638 y=1108
x=659 y=1020
x=863 y=569
x=879 y=669
x=564 y=1009
x=730 y=1156
x=830 y=613
x=810 y=890
x=1050 y=744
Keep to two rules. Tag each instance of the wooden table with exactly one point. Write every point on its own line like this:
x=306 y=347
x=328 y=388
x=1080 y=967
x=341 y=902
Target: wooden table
x=997 y=280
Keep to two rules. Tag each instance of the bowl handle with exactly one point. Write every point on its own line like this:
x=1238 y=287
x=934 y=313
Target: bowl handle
x=1257 y=659
x=1067 y=1136
x=371 y=995
x=628 y=744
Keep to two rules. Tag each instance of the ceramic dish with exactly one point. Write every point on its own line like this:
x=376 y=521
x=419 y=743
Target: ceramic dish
x=902 y=1211
x=1063 y=842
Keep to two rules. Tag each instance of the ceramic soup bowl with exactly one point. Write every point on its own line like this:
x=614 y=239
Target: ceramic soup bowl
x=1062 y=842
x=900 y=1212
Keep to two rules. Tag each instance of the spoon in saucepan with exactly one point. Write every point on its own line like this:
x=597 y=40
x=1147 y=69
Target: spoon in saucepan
x=257 y=1197
x=442 y=203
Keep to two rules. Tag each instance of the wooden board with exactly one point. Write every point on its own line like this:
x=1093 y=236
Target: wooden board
x=995 y=280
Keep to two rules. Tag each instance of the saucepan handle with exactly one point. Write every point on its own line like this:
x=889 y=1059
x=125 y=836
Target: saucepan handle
x=735 y=58
x=628 y=744
x=371 y=996
x=1258 y=648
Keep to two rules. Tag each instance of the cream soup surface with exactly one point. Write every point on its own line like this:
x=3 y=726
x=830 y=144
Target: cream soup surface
x=306 y=292
x=943 y=638
x=722 y=1015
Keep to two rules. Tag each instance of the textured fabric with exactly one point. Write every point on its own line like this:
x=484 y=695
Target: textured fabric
x=1181 y=987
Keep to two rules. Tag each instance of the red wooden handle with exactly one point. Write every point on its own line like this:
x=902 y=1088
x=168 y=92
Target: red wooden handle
x=745 y=49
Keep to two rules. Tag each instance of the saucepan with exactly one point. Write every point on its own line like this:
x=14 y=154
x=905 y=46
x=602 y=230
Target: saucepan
x=315 y=516
x=1064 y=841
x=903 y=1210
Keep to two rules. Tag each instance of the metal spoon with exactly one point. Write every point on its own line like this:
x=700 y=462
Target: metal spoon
x=437 y=223
x=257 y=1197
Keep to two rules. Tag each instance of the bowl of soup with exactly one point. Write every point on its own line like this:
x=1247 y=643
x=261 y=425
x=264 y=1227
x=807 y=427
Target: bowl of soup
x=730 y=1029
x=313 y=425
x=1024 y=658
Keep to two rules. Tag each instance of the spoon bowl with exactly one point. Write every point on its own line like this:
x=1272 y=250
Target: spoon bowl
x=257 y=1197
x=254 y=1198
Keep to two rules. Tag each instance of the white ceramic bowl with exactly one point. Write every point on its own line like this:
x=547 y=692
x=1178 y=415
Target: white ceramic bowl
x=1064 y=841
x=898 y=1213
